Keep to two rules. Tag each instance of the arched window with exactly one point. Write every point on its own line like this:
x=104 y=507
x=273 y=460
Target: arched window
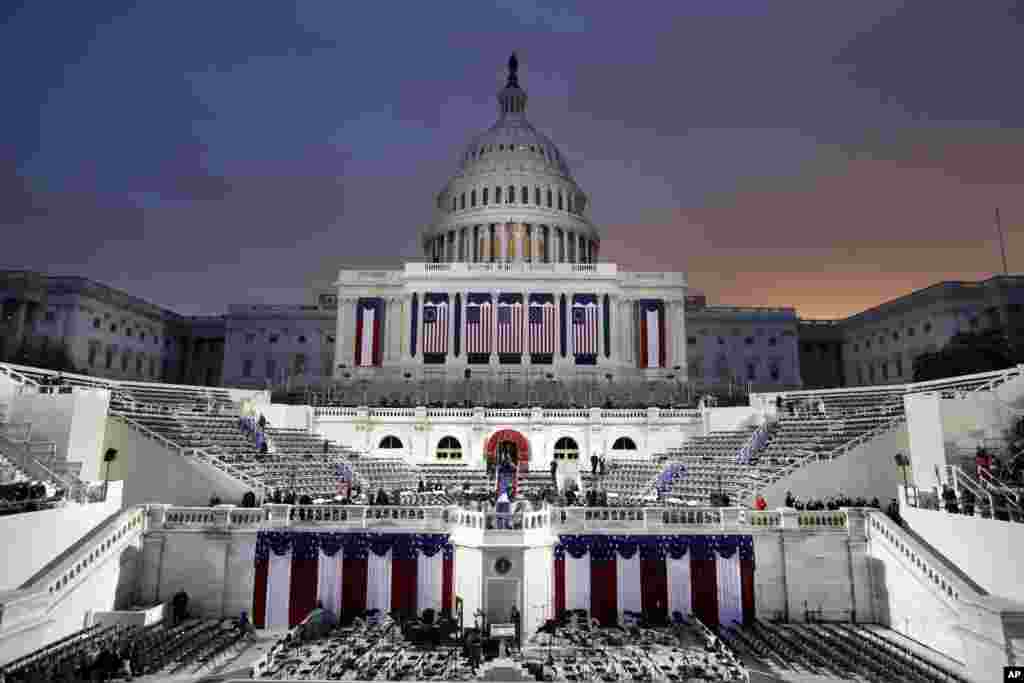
x=524 y=195
x=484 y=200
x=624 y=443
x=511 y=196
x=390 y=442
x=449 y=448
x=472 y=198
x=549 y=198
x=497 y=195
x=566 y=449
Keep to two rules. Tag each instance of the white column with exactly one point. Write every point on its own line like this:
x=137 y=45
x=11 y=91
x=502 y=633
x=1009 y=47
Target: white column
x=451 y=325
x=630 y=333
x=679 y=325
x=418 y=356
x=613 y=312
x=395 y=333
x=341 y=332
x=526 y=328
x=494 y=329
x=403 y=326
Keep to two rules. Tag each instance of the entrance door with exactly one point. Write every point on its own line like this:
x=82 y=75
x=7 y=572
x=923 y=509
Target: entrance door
x=502 y=595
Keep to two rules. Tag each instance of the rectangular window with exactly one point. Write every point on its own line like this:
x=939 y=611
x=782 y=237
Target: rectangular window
x=274 y=338
x=247 y=368
x=271 y=369
x=152 y=367
x=50 y=316
x=462 y=201
x=536 y=196
x=96 y=323
x=691 y=340
x=560 y=204
x=497 y=195
x=138 y=366
x=300 y=364
x=250 y=337
x=549 y=199
x=524 y=195
x=472 y=198
x=484 y=200
x=92 y=354
x=109 y=359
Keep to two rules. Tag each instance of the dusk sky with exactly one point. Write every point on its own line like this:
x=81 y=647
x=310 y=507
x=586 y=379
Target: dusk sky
x=822 y=154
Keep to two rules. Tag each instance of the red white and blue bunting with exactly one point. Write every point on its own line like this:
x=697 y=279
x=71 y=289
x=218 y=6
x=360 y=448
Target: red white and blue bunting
x=710 y=576
x=350 y=573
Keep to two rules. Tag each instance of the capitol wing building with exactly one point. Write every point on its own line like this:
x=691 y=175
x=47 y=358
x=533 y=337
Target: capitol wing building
x=511 y=289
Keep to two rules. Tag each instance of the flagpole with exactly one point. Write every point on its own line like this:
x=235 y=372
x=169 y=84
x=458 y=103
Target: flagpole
x=1002 y=242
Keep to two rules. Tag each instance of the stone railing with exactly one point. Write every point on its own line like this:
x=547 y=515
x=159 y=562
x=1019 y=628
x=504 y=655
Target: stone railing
x=917 y=560
x=462 y=268
x=16 y=376
x=454 y=518
x=33 y=601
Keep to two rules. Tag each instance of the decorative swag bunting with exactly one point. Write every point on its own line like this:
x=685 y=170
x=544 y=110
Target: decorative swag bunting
x=608 y=547
x=307 y=545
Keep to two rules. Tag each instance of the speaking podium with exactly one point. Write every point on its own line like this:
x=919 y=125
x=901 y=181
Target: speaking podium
x=503 y=633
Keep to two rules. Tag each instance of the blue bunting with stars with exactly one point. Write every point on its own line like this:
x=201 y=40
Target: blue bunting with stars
x=650 y=547
x=307 y=545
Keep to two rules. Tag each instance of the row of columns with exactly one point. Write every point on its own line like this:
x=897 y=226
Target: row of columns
x=512 y=242
x=395 y=330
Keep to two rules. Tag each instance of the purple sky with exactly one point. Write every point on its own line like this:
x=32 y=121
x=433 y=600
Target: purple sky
x=822 y=154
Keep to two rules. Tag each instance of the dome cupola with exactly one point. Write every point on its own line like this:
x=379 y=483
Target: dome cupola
x=513 y=198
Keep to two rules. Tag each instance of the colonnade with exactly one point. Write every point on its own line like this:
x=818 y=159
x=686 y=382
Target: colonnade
x=623 y=325
x=512 y=243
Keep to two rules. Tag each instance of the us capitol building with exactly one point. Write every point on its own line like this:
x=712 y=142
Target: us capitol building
x=511 y=289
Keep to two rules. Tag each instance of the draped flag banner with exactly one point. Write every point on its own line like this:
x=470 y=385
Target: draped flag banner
x=543 y=324
x=510 y=324
x=369 y=329
x=350 y=573
x=479 y=325
x=652 y=333
x=585 y=333
x=435 y=324
x=710 y=577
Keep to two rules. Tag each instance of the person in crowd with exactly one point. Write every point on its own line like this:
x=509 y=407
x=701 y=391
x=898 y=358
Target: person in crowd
x=516 y=620
x=554 y=473
x=790 y=500
x=243 y=625
x=778 y=404
x=382 y=497
x=760 y=503
x=305 y=499
x=179 y=606
x=327 y=448
x=262 y=422
x=249 y=500
x=982 y=461
x=875 y=504
x=821 y=408
x=422 y=486
x=277 y=496
x=602 y=466
x=593 y=464
x=264 y=449
x=289 y=498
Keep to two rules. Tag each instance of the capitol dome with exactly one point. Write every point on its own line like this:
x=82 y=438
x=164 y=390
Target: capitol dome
x=513 y=198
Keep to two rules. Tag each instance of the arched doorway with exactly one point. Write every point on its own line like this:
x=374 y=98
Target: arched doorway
x=508 y=445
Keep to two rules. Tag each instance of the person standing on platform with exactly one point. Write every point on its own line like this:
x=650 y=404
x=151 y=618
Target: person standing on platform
x=516 y=620
x=593 y=464
x=554 y=473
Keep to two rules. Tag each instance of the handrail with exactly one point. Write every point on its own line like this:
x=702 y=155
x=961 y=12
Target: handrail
x=6 y=369
x=839 y=450
x=21 y=453
x=199 y=453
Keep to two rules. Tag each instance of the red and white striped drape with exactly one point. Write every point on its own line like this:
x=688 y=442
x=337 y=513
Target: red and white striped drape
x=717 y=591
x=286 y=589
